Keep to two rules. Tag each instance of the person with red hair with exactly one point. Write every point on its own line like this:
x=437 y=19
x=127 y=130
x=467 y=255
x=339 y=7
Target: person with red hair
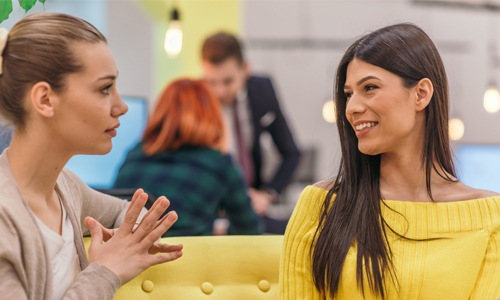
x=182 y=154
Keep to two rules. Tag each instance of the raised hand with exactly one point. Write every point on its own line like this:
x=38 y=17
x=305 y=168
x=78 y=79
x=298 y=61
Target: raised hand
x=131 y=249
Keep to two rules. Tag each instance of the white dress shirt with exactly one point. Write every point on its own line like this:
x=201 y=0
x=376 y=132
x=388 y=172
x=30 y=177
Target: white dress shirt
x=245 y=120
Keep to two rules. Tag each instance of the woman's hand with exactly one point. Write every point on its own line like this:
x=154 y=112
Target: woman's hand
x=130 y=249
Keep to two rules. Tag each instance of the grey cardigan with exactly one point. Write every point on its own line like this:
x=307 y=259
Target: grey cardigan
x=24 y=268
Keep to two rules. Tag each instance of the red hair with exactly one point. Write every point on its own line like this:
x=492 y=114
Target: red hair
x=187 y=113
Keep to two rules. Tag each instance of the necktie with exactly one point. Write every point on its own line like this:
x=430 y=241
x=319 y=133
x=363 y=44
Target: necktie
x=243 y=153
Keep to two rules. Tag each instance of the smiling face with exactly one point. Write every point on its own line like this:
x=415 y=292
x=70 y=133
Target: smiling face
x=86 y=110
x=381 y=110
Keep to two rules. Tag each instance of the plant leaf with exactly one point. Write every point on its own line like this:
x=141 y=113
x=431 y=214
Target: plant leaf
x=41 y=1
x=27 y=4
x=5 y=9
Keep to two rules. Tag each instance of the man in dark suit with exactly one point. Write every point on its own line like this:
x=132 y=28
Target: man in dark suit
x=250 y=108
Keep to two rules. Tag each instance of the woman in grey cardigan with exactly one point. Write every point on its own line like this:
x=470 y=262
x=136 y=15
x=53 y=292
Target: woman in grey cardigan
x=57 y=87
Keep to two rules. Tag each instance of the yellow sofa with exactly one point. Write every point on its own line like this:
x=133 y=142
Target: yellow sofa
x=212 y=267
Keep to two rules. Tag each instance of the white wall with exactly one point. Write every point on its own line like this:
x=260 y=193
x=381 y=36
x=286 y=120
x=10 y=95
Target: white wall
x=304 y=74
x=130 y=37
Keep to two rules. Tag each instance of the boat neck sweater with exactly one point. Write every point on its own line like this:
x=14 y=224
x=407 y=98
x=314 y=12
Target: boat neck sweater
x=456 y=254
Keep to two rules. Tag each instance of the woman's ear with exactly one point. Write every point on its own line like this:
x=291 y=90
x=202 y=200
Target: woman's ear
x=424 y=91
x=41 y=100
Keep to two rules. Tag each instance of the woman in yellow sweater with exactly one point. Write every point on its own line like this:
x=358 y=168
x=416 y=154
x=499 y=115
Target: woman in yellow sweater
x=395 y=223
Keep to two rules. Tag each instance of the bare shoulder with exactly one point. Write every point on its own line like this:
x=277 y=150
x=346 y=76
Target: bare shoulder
x=464 y=192
x=325 y=184
x=483 y=193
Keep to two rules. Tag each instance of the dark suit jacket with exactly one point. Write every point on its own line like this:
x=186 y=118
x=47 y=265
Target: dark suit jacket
x=266 y=115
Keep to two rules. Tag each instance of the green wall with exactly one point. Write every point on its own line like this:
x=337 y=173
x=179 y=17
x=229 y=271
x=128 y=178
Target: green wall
x=199 y=18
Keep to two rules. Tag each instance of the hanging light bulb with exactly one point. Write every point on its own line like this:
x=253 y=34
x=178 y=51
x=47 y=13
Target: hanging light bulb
x=329 y=114
x=491 y=100
x=173 y=36
x=456 y=129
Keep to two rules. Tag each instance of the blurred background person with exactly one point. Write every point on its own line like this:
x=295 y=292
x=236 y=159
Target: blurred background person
x=250 y=108
x=183 y=155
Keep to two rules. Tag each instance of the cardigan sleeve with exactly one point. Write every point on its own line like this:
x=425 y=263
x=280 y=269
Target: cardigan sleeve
x=11 y=287
x=106 y=209
x=296 y=280
x=12 y=284
x=103 y=283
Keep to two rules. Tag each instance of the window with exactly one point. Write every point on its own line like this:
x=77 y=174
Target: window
x=478 y=165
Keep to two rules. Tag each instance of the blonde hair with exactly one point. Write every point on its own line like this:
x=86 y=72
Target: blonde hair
x=40 y=47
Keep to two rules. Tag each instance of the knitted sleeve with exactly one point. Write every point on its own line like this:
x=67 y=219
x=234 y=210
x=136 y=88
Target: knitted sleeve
x=488 y=283
x=295 y=268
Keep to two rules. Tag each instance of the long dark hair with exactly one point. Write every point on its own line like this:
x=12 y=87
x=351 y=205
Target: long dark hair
x=355 y=214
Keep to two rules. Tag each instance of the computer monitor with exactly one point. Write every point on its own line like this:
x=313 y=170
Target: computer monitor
x=100 y=171
x=478 y=165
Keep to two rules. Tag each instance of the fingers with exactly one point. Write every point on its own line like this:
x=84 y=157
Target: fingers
x=133 y=211
x=139 y=248
x=150 y=221
x=165 y=257
x=107 y=233
x=94 y=228
x=96 y=236
x=164 y=248
x=162 y=226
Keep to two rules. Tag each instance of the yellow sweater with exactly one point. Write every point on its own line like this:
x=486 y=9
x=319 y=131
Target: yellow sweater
x=461 y=262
